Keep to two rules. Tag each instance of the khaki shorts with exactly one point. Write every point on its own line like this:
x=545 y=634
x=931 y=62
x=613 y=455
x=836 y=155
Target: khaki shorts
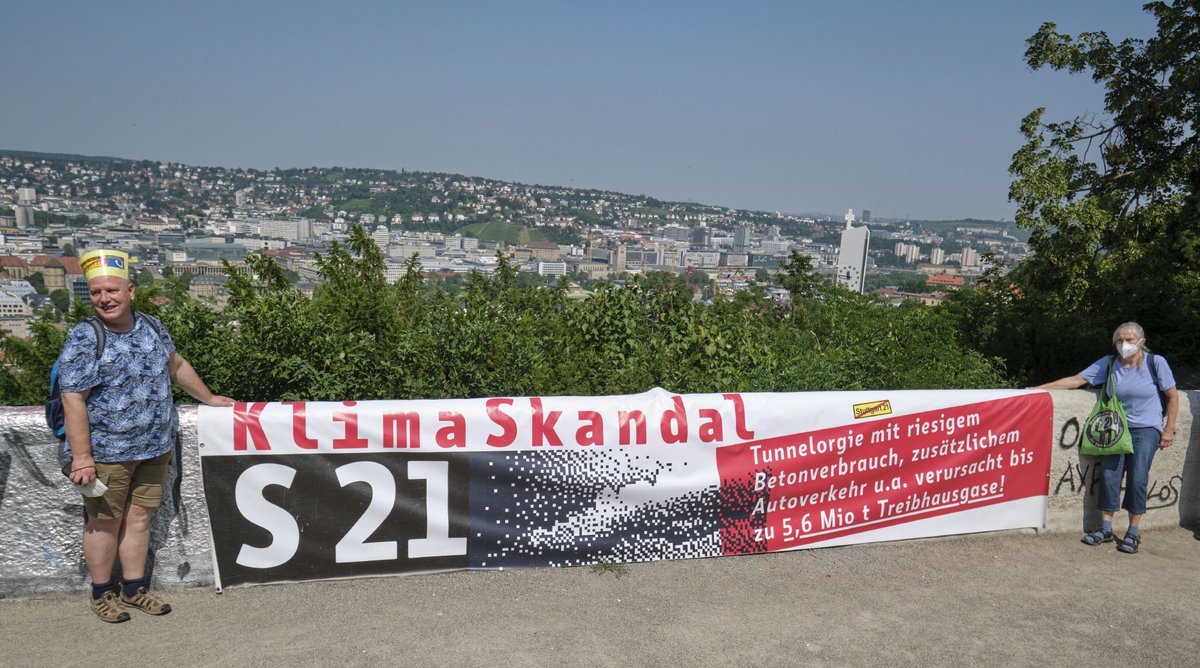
x=138 y=483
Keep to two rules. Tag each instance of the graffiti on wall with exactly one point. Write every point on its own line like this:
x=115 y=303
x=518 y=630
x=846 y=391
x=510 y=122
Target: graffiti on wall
x=1081 y=475
x=18 y=445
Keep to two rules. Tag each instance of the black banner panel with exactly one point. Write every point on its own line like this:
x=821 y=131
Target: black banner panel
x=296 y=517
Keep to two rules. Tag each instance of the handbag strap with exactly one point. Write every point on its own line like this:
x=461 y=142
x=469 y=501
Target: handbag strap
x=1110 y=390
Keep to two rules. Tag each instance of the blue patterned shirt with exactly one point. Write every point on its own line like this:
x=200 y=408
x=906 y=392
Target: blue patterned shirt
x=130 y=409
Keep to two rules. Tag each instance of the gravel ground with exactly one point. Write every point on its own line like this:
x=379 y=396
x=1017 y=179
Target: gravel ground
x=1014 y=598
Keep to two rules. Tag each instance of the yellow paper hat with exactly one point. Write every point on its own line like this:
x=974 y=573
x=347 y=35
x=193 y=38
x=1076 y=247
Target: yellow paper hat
x=102 y=262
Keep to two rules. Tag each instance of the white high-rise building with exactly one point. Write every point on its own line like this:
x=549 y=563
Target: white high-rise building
x=937 y=255
x=970 y=258
x=304 y=228
x=296 y=229
x=741 y=237
x=852 y=260
x=382 y=237
x=619 y=258
x=26 y=199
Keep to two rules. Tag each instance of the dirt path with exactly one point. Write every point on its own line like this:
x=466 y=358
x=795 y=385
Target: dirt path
x=999 y=599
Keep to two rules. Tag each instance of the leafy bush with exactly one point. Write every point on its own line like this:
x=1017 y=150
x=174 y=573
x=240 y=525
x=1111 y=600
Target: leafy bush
x=361 y=338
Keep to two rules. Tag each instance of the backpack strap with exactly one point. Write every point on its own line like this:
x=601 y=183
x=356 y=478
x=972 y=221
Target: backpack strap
x=1154 y=377
x=154 y=324
x=100 y=334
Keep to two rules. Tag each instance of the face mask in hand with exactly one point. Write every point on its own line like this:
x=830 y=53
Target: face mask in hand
x=1127 y=349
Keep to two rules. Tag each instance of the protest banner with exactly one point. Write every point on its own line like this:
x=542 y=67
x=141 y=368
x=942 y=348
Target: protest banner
x=313 y=490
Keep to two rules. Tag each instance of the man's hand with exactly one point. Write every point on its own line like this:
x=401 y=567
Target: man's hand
x=83 y=469
x=218 y=400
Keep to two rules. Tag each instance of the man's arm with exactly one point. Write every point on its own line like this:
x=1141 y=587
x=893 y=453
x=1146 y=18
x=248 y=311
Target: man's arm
x=79 y=436
x=183 y=375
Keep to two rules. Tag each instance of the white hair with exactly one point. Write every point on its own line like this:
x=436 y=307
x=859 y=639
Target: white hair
x=1132 y=327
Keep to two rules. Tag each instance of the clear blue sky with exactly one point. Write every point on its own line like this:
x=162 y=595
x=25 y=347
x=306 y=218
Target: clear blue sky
x=905 y=108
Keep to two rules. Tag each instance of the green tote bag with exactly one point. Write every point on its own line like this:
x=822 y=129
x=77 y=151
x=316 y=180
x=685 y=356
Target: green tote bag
x=1106 y=431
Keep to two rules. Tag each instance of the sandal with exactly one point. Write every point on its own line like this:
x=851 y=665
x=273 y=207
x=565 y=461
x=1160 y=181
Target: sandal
x=1096 y=537
x=1129 y=544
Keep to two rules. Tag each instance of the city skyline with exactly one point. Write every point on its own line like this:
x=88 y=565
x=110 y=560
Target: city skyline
x=907 y=111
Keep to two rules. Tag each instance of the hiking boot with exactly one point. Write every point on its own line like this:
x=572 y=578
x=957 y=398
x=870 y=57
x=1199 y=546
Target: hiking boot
x=146 y=602
x=108 y=608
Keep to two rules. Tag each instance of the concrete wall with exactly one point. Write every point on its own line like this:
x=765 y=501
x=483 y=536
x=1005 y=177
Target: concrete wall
x=41 y=517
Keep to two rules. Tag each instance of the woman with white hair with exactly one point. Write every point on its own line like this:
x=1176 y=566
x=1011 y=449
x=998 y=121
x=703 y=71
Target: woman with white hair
x=1146 y=389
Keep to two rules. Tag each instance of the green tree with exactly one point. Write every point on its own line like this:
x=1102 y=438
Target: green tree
x=25 y=376
x=61 y=300
x=269 y=273
x=914 y=283
x=1111 y=202
x=38 y=281
x=799 y=278
x=699 y=281
x=185 y=280
x=664 y=287
x=355 y=295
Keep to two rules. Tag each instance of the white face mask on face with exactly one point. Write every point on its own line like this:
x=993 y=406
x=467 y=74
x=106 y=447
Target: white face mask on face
x=1127 y=349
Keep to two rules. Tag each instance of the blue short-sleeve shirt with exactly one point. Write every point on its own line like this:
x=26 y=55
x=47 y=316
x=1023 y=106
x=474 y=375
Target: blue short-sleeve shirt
x=130 y=409
x=1135 y=388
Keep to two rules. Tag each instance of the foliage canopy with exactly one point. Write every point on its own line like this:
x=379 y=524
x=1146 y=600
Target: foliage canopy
x=361 y=338
x=1112 y=205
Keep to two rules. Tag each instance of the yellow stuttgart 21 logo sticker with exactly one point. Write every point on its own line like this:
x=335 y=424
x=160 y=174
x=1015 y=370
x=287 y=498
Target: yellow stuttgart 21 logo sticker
x=872 y=409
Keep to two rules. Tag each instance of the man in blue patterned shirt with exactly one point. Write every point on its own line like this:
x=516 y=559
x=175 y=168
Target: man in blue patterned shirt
x=121 y=425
